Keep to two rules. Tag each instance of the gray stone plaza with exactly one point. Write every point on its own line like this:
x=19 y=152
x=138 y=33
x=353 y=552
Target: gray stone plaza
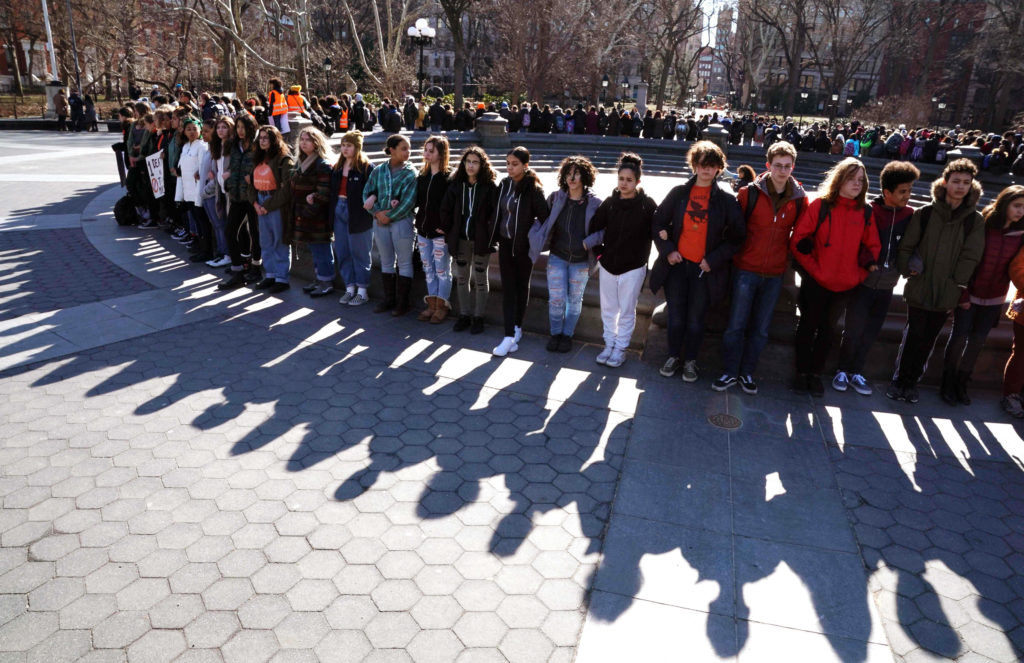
x=193 y=475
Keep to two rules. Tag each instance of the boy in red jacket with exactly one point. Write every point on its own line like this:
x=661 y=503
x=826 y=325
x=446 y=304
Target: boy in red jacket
x=771 y=206
x=869 y=304
x=836 y=243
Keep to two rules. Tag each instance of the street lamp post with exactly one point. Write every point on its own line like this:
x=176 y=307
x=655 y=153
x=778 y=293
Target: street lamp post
x=835 y=106
x=803 y=106
x=625 y=87
x=753 y=99
x=327 y=70
x=604 y=87
x=421 y=34
x=938 y=120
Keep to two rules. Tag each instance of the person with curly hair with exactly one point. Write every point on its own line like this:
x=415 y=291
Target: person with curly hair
x=568 y=269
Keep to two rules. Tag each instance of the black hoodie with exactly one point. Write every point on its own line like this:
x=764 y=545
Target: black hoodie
x=621 y=236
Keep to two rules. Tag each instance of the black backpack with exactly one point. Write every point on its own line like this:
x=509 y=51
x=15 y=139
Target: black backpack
x=926 y=215
x=753 y=191
x=124 y=212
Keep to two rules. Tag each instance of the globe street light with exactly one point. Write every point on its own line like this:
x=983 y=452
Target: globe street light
x=421 y=34
x=803 y=106
x=327 y=69
x=604 y=86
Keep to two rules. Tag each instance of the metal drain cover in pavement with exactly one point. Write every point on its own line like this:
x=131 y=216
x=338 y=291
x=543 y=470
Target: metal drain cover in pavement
x=726 y=421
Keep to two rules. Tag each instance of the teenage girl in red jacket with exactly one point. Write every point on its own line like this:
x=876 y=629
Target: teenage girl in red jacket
x=836 y=248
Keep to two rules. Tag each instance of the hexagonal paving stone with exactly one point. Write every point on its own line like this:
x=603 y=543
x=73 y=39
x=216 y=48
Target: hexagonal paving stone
x=120 y=630
x=311 y=594
x=250 y=647
x=479 y=595
x=481 y=629
x=56 y=594
x=27 y=630
x=526 y=645
x=321 y=564
x=156 y=647
x=522 y=611
x=391 y=630
x=176 y=611
x=142 y=594
x=263 y=611
x=301 y=630
x=227 y=594
x=343 y=646
x=350 y=612
x=434 y=647
x=88 y=611
x=391 y=595
x=211 y=629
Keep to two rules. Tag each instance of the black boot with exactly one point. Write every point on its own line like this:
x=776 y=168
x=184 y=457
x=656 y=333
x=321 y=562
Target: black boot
x=403 y=287
x=960 y=386
x=948 y=388
x=388 y=302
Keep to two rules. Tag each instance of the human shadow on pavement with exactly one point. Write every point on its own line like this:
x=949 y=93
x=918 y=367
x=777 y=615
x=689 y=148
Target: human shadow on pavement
x=934 y=494
x=736 y=507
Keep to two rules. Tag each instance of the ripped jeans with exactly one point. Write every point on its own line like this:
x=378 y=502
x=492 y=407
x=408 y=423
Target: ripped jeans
x=437 y=266
x=471 y=280
x=566 y=283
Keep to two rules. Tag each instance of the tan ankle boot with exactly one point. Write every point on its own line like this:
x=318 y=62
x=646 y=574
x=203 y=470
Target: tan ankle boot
x=428 y=313
x=440 y=311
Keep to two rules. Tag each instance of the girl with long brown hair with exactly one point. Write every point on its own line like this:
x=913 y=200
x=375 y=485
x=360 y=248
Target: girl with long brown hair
x=431 y=185
x=835 y=242
x=352 y=223
x=269 y=192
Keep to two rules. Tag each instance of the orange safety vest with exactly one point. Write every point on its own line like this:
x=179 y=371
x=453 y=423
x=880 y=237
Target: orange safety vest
x=343 y=120
x=296 y=104
x=278 y=106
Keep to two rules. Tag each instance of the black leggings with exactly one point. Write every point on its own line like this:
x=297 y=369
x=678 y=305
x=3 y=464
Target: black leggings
x=243 y=233
x=820 y=310
x=515 y=273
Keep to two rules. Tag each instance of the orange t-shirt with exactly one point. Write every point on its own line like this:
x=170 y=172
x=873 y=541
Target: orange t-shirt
x=263 y=178
x=694 y=239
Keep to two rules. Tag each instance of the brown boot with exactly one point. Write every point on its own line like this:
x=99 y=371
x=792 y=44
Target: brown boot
x=428 y=313
x=440 y=311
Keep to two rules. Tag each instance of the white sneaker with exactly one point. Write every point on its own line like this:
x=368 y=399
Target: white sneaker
x=617 y=358
x=358 y=300
x=507 y=345
x=518 y=334
x=605 y=354
x=222 y=261
x=347 y=297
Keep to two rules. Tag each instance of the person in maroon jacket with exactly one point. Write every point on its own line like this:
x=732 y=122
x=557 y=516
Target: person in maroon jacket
x=869 y=304
x=984 y=299
x=836 y=244
x=771 y=205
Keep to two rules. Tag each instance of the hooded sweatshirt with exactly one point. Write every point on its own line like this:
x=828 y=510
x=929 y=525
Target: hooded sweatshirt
x=621 y=232
x=892 y=225
x=949 y=255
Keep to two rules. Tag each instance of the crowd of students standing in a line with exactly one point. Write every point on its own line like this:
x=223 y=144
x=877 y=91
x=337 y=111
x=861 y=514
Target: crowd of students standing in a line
x=239 y=196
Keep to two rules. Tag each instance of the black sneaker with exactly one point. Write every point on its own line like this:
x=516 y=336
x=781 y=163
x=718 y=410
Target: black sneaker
x=237 y=280
x=265 y=283
x=748 y=385
x=253 y=275
x=278 y=286
x=815 y=386
x=477 y=325
x=311 y=287
x=553 y=343
x=895 y=392
x=462 y=323
x=798 y=385
x=910 y=395
x=723 y=382
x=564 y=343
x=671 y=365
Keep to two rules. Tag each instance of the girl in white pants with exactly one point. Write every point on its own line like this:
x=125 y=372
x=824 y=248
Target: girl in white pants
x=621 y=239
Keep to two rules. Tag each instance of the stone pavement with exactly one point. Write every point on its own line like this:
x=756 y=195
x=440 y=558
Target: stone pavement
x=198 y=476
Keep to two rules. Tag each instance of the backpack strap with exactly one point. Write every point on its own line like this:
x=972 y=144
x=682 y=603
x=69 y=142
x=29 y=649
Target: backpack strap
x=752 y=193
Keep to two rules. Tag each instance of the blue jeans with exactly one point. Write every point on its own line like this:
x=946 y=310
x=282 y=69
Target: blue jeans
x=394 y=243
x=753 y=304
x=277 y=256
x=566 y=283
x=351 y=250
x=323 y=260
x=219 y=223
x=437 y=266
x=686 y=299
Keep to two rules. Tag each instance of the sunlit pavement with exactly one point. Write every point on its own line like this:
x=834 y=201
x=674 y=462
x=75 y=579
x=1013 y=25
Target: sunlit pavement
x=193 y=475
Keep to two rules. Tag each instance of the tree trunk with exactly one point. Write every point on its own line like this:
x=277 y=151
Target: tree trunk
x=459 y=45
x=795 y=69
x=241 y=74
x=659 y=99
